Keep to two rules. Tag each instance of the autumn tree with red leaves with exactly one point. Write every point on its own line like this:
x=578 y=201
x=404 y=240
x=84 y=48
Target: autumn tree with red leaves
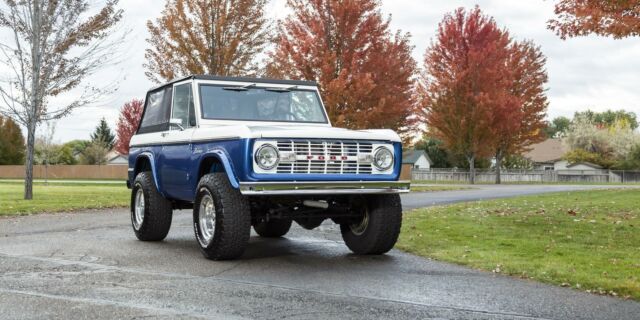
x=219 y=37
x=127 y=124
x=575 y=18
x=482 y=93
x=520 y=121
x=464 y=83
x=365 y=72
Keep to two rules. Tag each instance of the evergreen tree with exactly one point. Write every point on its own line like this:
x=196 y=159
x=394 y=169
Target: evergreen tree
x=11 y=143
x=103 y=134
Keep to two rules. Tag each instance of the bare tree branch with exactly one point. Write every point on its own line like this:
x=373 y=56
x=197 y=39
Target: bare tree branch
x=55 y=48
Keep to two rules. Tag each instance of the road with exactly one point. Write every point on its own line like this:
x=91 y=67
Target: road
x=491 y=191
x=88 y=265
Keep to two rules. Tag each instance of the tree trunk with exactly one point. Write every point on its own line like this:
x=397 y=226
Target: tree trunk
x=35 y=101
x=498 y=168
x=472 y=169
x=28 y=177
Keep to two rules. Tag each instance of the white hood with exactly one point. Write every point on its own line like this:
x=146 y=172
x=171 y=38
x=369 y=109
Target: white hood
x=239 y=131
x=321 y=132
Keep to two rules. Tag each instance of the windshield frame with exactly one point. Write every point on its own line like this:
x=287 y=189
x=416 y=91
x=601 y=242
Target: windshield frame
x=313 y=89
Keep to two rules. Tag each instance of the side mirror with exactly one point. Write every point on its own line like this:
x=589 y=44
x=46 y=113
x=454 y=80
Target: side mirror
x=176 y=122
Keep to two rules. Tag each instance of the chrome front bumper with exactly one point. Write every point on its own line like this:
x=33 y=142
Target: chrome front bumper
x=323 y=187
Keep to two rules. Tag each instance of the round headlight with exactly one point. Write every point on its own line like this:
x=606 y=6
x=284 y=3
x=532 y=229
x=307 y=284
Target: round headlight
x=383 y=159
x=267 y=157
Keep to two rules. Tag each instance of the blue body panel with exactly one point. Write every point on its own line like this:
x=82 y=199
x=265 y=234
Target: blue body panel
x=176 y=167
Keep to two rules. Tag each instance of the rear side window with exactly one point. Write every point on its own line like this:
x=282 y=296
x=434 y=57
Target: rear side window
x=157 y=111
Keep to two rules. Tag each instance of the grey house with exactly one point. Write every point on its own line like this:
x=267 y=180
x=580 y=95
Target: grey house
x=418 y=159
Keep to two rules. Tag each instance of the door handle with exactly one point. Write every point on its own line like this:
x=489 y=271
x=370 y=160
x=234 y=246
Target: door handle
x=164 y=134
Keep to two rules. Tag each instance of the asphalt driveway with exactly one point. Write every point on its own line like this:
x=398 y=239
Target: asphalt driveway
x=89 y=265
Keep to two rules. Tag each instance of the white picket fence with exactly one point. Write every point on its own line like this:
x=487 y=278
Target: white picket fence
x=524 y=176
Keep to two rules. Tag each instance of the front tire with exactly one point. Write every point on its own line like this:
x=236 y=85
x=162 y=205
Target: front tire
x=221 y=218
x=378 y=230
x=151 y=213
x=273 y=228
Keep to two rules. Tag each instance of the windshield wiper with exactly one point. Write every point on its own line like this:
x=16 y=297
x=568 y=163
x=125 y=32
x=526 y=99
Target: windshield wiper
x=240 y=88
x=287 y=89
x=277 y=89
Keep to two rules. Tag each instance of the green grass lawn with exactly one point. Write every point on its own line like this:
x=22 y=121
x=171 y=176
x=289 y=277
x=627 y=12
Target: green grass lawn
x=57 y=197
x=588 y=240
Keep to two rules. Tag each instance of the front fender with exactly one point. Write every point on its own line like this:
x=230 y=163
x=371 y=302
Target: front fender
x=221 y=156
x=148 y=156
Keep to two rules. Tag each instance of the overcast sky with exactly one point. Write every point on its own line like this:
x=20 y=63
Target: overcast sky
x=584 y=73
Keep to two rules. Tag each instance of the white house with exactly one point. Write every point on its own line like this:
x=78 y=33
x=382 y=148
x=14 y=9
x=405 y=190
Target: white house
x=565 y=165
x=418 y=159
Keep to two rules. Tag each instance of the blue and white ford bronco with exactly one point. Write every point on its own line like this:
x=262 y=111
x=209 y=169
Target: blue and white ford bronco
x=258 y=152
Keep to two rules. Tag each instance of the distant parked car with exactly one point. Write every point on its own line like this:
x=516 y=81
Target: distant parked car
x=248 y=152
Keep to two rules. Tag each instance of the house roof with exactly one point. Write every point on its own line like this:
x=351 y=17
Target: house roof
x=113 y=155
x=117 y=157
x=550 y=150
x=588 y=164
x=412 y=156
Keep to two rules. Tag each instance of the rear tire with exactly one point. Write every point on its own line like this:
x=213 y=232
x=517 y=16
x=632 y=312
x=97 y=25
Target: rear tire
x=378 y=230
x=151 y=213
x=221 y=218
x=273 y=228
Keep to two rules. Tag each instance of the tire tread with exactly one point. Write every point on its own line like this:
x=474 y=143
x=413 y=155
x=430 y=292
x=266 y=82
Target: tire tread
x=233 y=229
x=385 y=222
x=157 y=219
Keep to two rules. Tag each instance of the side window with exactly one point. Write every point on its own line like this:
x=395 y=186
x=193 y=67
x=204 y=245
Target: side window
x=183 y=108
x=156 y=113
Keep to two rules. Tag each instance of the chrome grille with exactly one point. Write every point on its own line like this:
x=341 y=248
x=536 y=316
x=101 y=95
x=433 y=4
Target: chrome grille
x=327 y=149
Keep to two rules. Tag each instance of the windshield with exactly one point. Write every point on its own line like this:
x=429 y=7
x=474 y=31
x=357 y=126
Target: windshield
x=260 y=104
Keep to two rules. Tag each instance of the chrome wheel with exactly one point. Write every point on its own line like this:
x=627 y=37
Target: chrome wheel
x=138 y=209
x=360 y=227
x=206 y=219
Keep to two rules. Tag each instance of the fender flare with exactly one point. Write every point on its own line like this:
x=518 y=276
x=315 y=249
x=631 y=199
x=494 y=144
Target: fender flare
x=222 y=157
x=154 y=172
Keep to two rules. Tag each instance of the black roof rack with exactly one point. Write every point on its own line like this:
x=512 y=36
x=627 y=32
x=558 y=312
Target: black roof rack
x=238 y=79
